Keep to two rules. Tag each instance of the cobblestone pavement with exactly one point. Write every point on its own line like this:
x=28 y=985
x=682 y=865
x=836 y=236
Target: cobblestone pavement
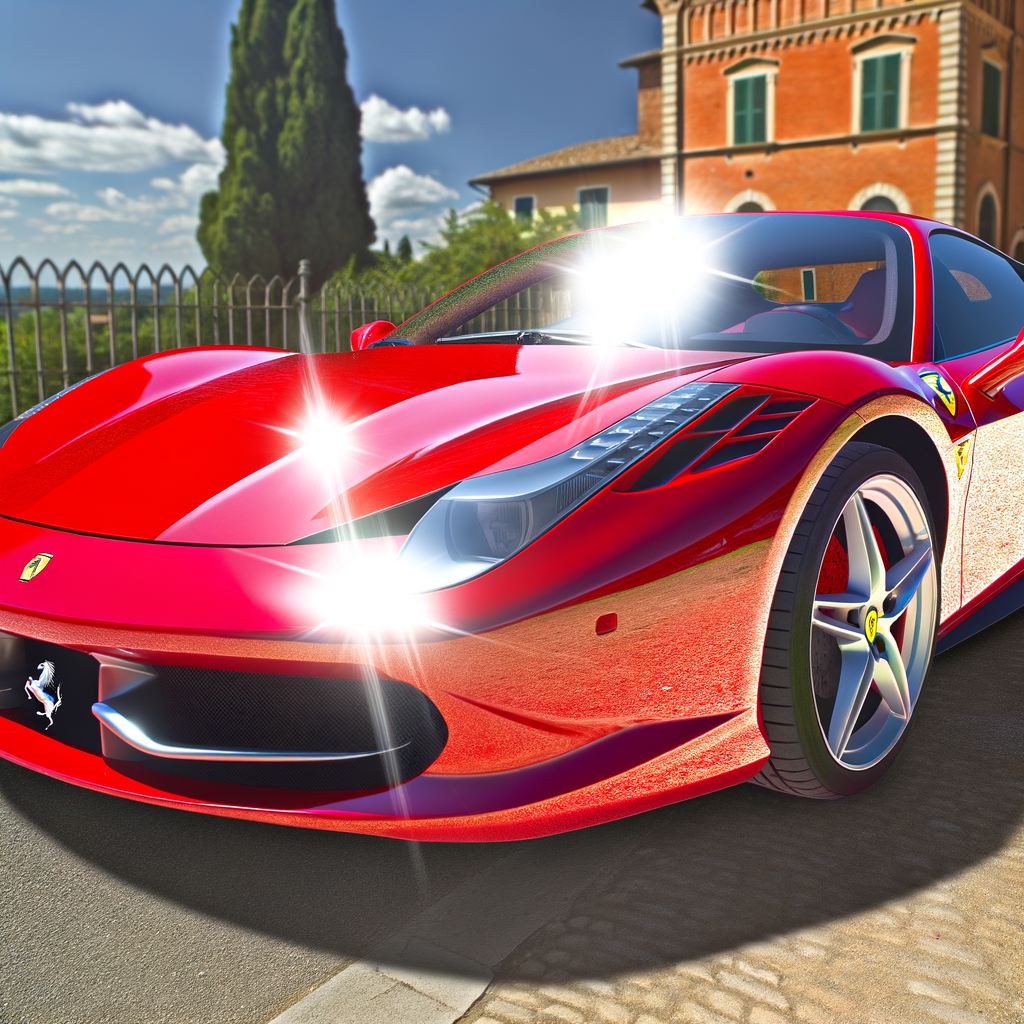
x=904 y=904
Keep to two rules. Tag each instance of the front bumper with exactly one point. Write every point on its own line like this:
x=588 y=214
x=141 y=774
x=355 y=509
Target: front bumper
x=550 y=725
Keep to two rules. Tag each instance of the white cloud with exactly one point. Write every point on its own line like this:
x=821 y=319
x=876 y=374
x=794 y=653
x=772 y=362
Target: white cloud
x=4 y=201
x=179 y=222
x=116 y=112
x=191 y=184
x=112 y=136
x=27 y=187
x=84 y=212
x=181 y=194
x=8 y=214
x=400 y=190
x=383 y=122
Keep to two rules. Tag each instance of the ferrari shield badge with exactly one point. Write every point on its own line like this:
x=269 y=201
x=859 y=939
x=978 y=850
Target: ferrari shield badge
x=961 y=450
x=41 y=689
x=941 y=387
x=871 y=626
x=35 y=567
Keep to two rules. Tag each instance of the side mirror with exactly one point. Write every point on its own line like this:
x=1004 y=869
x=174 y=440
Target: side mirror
x=365 y=336
x=991 y=378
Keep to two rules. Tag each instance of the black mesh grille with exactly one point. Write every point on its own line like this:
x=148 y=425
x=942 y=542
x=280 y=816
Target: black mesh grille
x=227 y=710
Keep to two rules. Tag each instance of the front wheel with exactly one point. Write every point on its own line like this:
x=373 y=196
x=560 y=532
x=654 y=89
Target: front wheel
x=852 y=628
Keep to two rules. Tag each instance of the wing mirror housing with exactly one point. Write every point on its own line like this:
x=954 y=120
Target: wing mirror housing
x=365 y=336
x=991 y=378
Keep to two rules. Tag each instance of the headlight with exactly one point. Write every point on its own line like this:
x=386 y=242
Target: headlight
x=487 y=519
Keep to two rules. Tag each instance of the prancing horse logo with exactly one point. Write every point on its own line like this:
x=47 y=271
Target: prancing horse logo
x=35 y=567
x=37 y=688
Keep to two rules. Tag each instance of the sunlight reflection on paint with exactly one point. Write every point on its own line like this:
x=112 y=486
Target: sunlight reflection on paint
x=325 y=439
x=367 y=592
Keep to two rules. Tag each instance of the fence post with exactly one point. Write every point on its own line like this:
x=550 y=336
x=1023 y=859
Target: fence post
x=305 y=335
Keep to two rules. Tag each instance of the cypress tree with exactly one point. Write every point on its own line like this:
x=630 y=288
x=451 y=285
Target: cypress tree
x=292 y=187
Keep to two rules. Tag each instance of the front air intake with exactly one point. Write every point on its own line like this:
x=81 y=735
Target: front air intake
x=281 y=731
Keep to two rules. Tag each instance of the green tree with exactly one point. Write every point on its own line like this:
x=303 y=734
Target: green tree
x=292 y=188
x=470 y=243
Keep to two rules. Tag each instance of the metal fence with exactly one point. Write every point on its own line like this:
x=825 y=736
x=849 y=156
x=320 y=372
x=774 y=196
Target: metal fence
x=61 y=326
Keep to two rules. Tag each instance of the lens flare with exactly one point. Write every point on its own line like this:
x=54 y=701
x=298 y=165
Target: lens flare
x=625 y=286
x=362 y=590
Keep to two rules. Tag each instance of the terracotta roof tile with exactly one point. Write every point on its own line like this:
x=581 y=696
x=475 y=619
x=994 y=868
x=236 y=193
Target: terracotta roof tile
x=618 y=149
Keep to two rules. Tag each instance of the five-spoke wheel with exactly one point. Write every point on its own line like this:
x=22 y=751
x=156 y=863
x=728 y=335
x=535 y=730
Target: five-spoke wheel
x=853 y=627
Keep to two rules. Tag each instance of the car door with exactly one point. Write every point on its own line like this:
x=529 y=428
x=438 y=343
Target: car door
x=979 y=312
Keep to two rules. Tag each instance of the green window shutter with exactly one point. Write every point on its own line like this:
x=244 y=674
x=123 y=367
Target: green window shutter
x=990 y=103
x=741 y=111
x=749 y=118
x=758 y=107
x=880 y=93
x=891 y=91
x=869 y=95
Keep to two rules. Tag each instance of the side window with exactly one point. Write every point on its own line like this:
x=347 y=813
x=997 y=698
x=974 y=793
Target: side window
x=979 y=297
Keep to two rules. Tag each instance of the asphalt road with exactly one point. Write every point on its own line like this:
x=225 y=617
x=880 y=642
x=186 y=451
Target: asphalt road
x=904 y=903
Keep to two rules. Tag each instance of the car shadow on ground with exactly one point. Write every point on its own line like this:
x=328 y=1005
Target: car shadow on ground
x=701 y=877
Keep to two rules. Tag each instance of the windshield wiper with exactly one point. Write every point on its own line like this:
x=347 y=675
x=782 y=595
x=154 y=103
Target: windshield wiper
x=524 y=338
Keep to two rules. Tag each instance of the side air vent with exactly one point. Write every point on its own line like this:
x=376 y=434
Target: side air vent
x=738 y=429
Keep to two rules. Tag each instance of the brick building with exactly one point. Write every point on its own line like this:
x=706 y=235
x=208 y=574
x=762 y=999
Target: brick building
x=810 y=104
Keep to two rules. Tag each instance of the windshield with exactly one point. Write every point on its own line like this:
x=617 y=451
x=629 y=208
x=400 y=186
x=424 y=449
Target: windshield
x=749 y=282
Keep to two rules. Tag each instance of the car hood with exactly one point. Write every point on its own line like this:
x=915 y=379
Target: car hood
x=261 y=448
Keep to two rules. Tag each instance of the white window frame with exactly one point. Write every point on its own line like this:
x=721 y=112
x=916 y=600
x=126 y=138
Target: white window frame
x=814 y=283
x=527 y=195
x=585 y=188
x=991 y=56
x=770 y=72
x=883 y=49
x=748 y=196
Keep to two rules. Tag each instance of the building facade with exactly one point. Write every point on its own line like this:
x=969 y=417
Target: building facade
x=810 y=104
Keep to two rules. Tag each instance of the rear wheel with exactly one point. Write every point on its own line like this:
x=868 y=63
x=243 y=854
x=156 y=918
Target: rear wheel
x=852 y=628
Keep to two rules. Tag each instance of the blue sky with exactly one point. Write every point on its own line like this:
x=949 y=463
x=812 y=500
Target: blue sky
x=110 y=110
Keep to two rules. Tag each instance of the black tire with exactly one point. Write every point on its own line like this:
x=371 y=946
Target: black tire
x=801 y=761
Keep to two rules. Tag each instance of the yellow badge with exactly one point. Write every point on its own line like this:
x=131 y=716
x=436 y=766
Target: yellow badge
x=35 y=567
x=941 y=387
x=960 y=450
x=871 y=626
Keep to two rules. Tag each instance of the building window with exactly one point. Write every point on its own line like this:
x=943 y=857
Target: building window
x=809 y=290
x=523 y=206
x=749 y=109
x=880 y=204
x=880 y=93
x=992 y=94
x=987 y=219
x=750 y=207
x=750 y=105
x=593 y=207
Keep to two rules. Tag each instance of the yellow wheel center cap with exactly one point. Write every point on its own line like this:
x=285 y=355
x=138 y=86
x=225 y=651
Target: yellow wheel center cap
x=871 y=625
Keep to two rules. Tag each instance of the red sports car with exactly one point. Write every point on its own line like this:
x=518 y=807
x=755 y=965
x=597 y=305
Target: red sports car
x=642 y=513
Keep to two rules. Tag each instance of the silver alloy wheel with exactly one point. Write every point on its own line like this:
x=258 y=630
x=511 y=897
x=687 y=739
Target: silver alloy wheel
x=871 y=644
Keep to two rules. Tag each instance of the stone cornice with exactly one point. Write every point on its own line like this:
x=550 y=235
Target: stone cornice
x=880 y=17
